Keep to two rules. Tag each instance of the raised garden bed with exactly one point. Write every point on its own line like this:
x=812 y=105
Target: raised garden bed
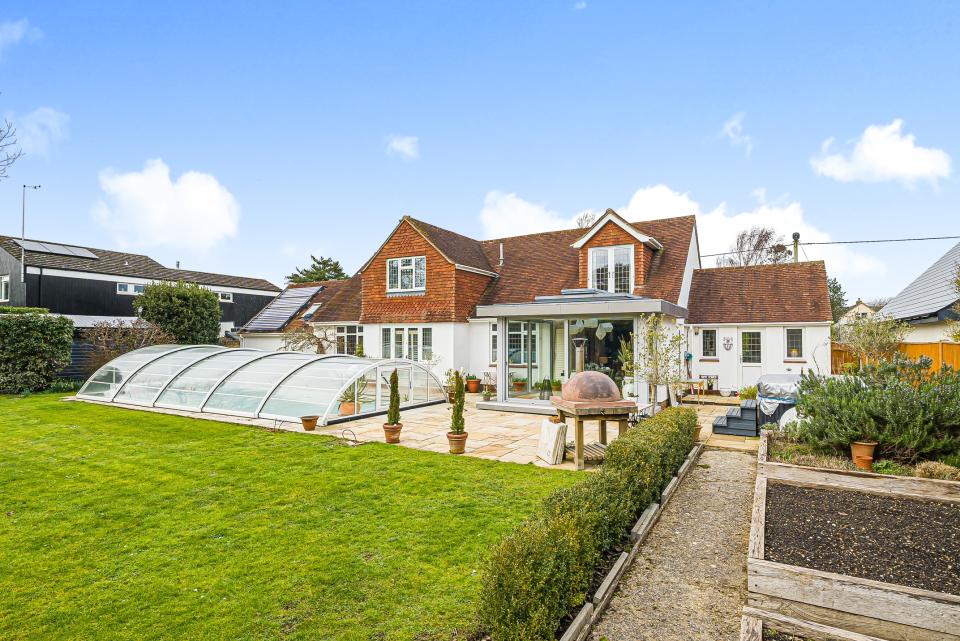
x=844 y=555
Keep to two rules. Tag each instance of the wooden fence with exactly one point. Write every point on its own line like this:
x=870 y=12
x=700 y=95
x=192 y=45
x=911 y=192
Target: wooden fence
x=939 y=353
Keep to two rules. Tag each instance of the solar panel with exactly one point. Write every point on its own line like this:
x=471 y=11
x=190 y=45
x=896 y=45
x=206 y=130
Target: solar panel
x=55 y=248
x=281 y=309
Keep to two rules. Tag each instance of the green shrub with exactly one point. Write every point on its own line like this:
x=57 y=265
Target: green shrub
x=937 y=470
x=456 y=415
x=64 y=385
x=543 y=570
x=912 y=413
x=892 y=467
x=4 y=309
x=34 y=348
x=189 y=312
x=749 y=393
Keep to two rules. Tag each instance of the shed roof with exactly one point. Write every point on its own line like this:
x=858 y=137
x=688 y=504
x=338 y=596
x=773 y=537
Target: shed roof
x=931 y=292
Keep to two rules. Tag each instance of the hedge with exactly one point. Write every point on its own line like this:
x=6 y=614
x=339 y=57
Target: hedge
x=34 y=348
x=543 y=570
x=23 y=310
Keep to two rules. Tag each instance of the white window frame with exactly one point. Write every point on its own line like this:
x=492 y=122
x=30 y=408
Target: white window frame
x=525 y=344
x=404 y=332
x=703 y=338
x=611 y=251
x=5 y=288
x=786 y=342
x=759 y=344
x=343 y=332
x=412 y=268
x=493 y=343
x=225 y=297
x=130 y=289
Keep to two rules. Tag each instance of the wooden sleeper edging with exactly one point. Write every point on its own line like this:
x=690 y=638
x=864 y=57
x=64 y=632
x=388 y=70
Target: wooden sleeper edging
x=580 y=626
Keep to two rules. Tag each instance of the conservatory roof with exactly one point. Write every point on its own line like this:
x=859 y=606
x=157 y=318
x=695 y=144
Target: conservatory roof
x=258 y=384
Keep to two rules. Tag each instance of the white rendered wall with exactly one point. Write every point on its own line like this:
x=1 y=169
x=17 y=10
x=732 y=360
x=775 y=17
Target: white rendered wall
x=266 y=342
x=928 y=333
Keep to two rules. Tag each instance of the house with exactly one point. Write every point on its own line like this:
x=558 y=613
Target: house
x=89 y=285
x=518 y=309
x=928 y=304
x=857 y=311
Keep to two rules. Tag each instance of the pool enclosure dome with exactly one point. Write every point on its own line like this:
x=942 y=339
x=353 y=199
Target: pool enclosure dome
x=256 y=384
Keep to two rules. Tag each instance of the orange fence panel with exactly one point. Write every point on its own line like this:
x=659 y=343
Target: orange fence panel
x=939 y=353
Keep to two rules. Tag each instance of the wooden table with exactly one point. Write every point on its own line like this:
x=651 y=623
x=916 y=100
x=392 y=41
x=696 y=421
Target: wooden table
x=601 y=411
x=697 y=384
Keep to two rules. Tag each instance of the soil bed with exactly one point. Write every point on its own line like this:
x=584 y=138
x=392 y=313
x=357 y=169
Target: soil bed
x=891 y=539
x=773 y=635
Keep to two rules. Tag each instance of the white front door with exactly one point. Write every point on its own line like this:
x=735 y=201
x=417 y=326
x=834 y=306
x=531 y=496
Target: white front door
x=751 y=356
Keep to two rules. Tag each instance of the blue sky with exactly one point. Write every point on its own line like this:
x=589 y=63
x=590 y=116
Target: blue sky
x=240 y=137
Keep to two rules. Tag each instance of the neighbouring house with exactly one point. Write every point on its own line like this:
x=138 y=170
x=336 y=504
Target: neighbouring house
x=928 y=303
x=514 y=308
x=90 y=285
x=857 y=311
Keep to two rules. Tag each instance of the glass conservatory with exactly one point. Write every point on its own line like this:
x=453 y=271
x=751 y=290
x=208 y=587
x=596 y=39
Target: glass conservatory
x=257 y=384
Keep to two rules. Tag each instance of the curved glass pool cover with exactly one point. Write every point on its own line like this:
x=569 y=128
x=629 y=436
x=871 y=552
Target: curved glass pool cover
x=258 y=384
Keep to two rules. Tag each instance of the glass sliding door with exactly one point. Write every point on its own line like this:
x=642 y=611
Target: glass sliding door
x=602 y=346
x=531 y=358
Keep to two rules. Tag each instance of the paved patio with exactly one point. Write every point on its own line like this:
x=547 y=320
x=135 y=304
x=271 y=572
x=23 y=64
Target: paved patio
x=510 y=437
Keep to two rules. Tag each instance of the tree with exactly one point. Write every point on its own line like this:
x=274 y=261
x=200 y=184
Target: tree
x=189 y=312
x=111 y=339
x=316 y=339
x=838 y=298
x=393 y=410
x=756 y=246
x=586 y=219
x=319 y=269
x=10 y=152
x=659 y=356
x=873 y=338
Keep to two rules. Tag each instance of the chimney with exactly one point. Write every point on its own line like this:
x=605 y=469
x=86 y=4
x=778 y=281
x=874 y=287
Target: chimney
x=501 y=254
x=178 y=264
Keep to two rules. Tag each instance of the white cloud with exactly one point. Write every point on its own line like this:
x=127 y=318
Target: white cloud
x=732 y=130
x=580 y=6
x=509 y=215
x=40 y=129
x=147 y=208
x=883 y=153
x=407 y=147
x=13 y=32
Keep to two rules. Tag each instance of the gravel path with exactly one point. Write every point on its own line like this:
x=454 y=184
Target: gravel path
x=689 y=580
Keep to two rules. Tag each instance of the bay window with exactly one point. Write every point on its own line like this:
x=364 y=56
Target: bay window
x=407 y=274
x=611 y=269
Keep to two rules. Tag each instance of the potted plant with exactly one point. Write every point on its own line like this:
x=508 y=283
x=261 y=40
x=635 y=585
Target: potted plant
x=309 y=422
x=457 y=437
x=391 y=429
x=473 y=384
x=487 y=394
x=348 y=400
x=861 y=451
x=448 y=383
x=556 y=385
x=519 y=384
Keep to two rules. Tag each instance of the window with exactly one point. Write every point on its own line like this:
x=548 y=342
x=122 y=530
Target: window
x=407 y=274
x=349 y=338
x=413 y=343
x=130 y=289
x=4 y=289
x=493 y=343
x=225 y=297
x=521 y=339
x=751 y=347
x=311 y=311
x=611 y=269
x=794 y=342
x=709 y=342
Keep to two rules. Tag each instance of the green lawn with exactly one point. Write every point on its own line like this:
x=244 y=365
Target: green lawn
x=131 y=525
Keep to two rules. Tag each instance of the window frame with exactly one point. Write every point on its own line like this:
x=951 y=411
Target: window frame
x=5 y=288
x=743 y=360
x=493 y=343
x=130 y=289
x=342 y=335
x=703 y=342
x=225 y=297
x=412 y=269
x=528 y=340
x=786 y=342
x=423 y=342
x=611 y=253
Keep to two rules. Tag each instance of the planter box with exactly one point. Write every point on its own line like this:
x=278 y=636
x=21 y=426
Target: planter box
x=825 y=605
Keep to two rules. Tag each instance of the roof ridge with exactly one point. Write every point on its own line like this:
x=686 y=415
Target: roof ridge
x=762 y=265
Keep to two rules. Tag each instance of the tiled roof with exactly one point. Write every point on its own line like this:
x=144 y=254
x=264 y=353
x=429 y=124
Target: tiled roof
x=932 y=291
x=544 y=264
x=792 y=292
x=339 y=302
x=459 y=249
x=125 y=264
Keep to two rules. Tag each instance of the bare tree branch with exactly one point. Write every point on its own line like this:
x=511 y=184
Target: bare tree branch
x=10 y=152
x=756 y=246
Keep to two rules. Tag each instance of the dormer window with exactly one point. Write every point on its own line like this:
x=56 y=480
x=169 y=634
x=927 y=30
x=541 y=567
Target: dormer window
x=407 y=274
x=611 y=269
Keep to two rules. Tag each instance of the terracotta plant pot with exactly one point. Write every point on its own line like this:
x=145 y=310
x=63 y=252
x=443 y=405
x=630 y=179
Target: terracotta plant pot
x=451 y=397
x=696 y=434
x=862 y=454
x=519 y=386
x=309 y=422
x=458 y=442
x=473 y=385
x=348 y=409
x=391 y=433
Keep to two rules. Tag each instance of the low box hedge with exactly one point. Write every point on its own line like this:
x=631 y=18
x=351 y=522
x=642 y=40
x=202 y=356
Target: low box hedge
x=6 y=309
x=543 y=570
